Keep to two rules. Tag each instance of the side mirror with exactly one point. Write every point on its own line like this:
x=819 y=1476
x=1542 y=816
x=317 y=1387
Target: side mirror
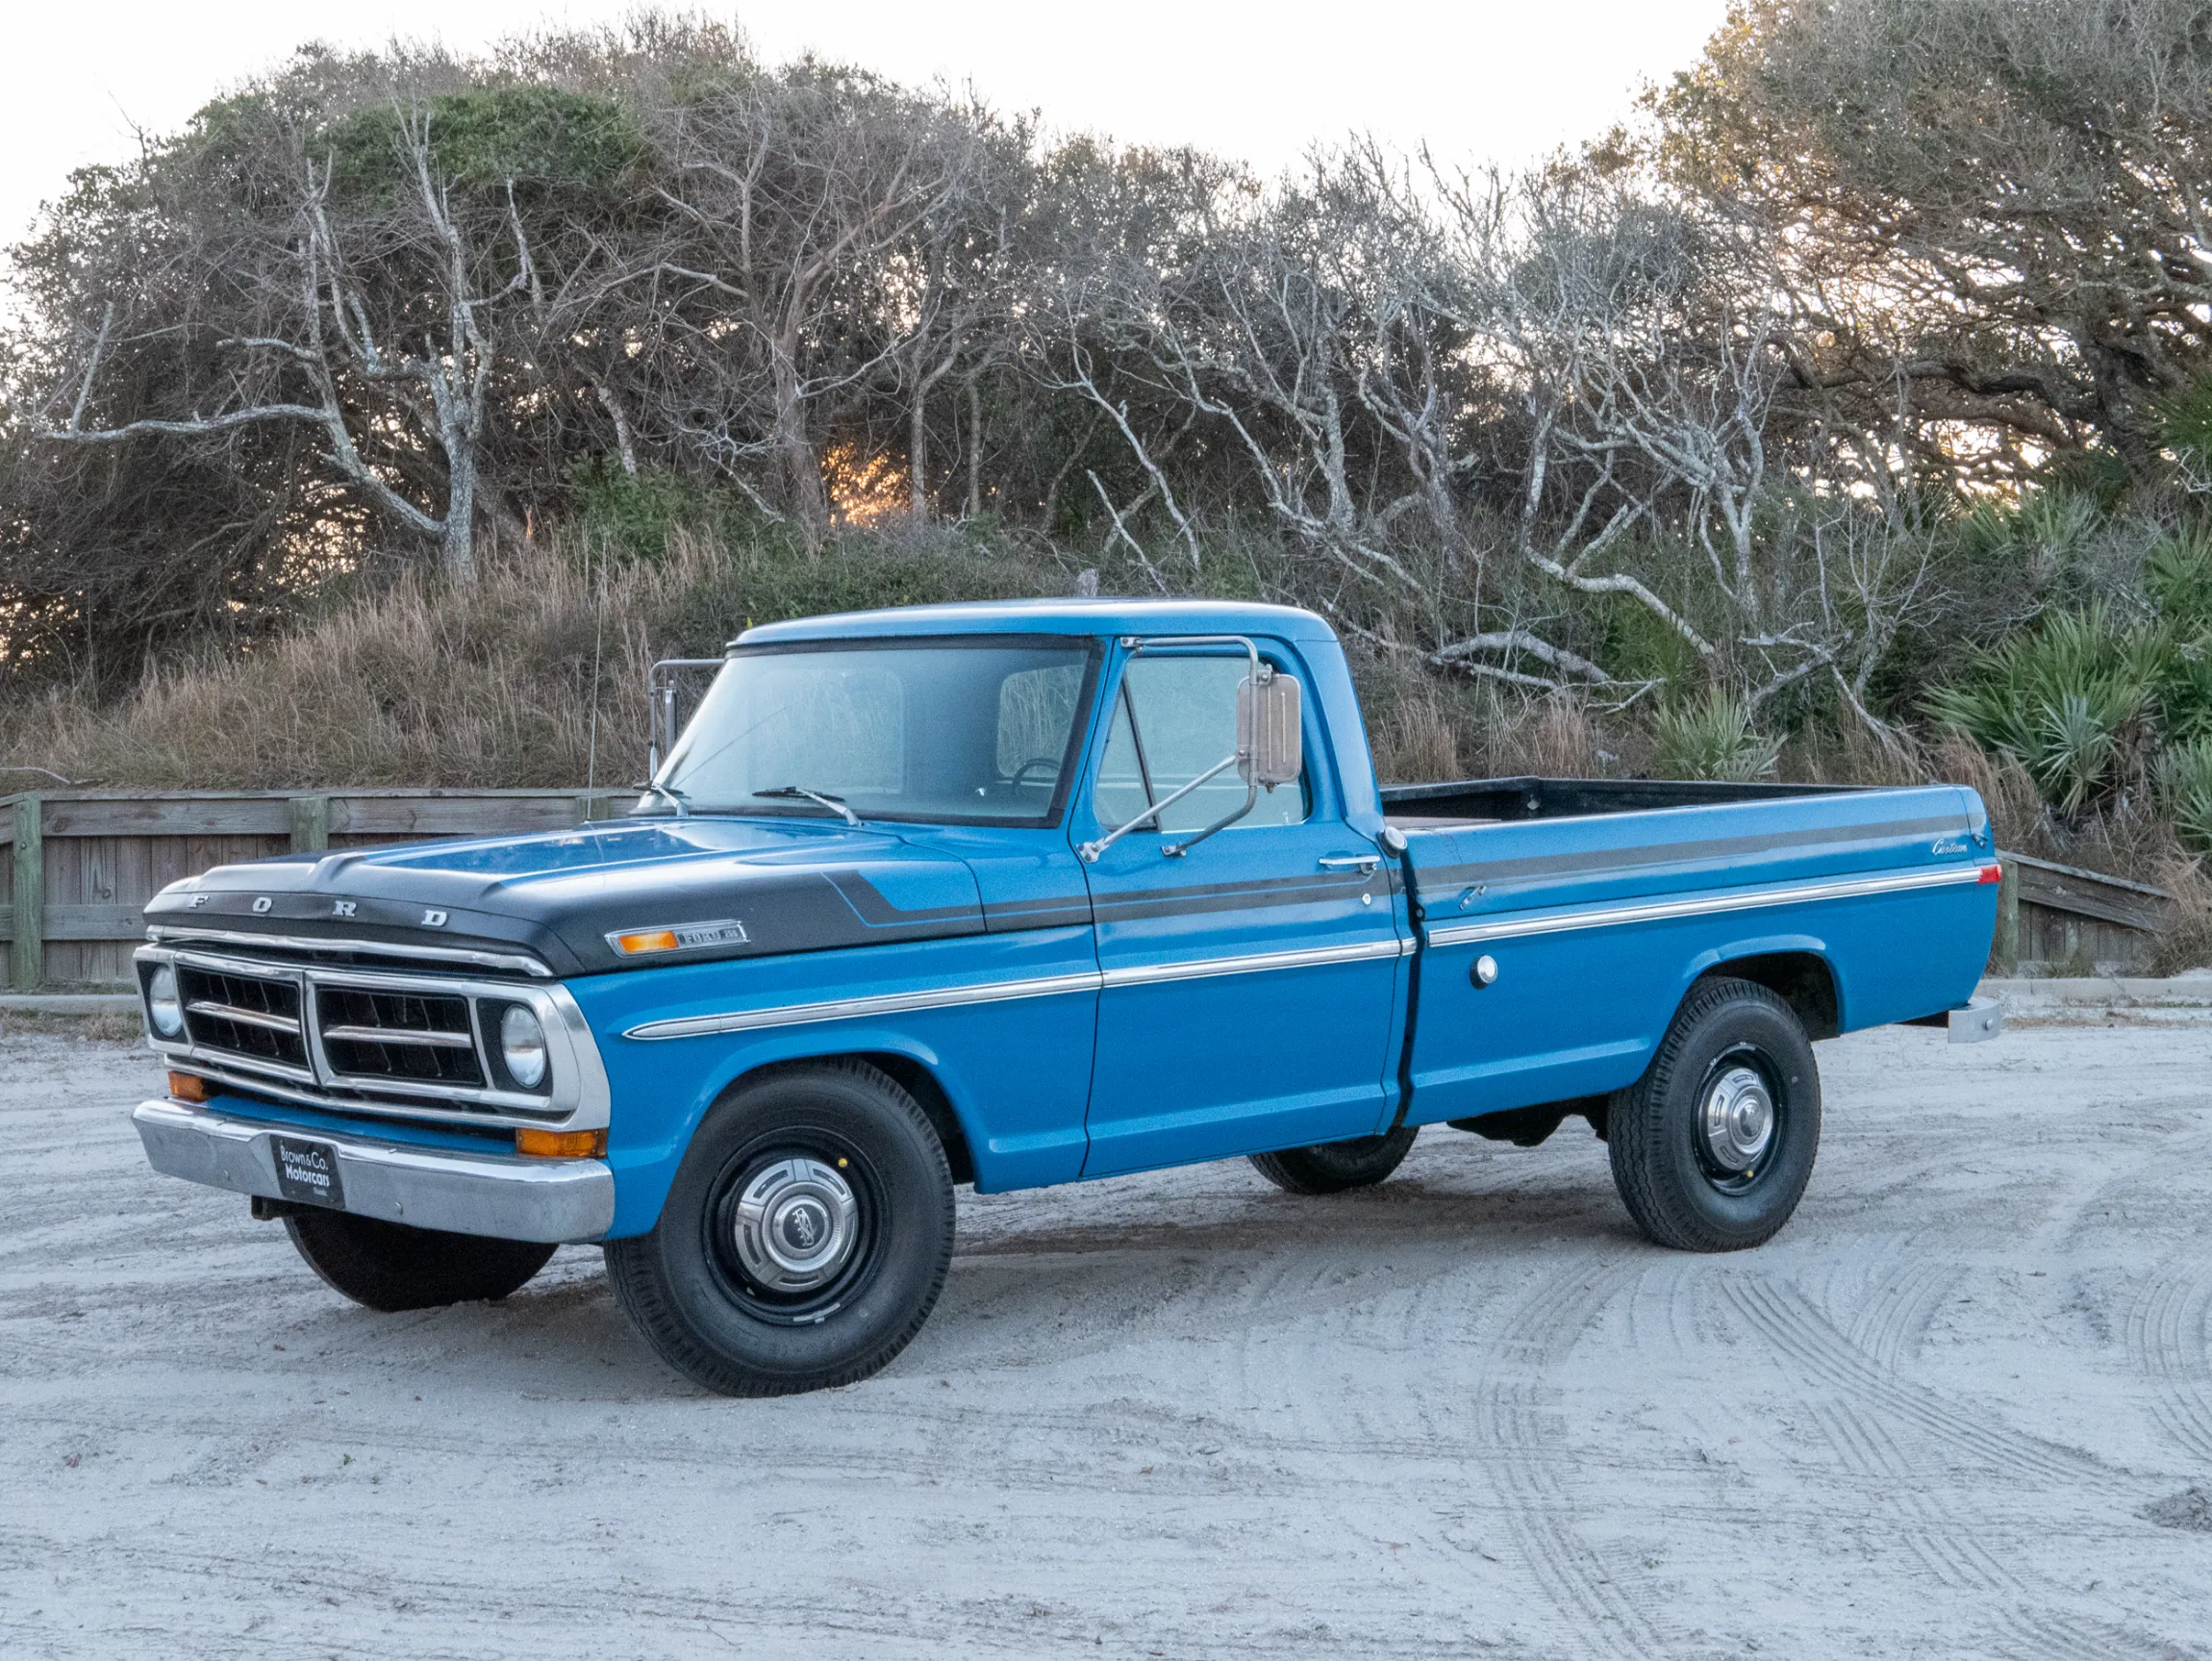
x=1271 y=731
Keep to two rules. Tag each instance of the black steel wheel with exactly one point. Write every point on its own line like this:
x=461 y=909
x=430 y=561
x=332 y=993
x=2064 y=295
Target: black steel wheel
x=1333 y=1167
x=390 y=1266
x=804 y=1241
x=1713 y=1146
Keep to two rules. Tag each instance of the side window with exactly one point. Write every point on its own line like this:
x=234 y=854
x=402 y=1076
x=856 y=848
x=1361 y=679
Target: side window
x=1173 y=720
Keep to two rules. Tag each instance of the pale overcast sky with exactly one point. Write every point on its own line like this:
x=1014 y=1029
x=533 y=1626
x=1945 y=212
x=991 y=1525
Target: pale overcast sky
x=1480 y=79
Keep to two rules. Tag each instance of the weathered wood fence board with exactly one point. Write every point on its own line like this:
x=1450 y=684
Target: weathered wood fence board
x=2056 y=917
x=77 y=867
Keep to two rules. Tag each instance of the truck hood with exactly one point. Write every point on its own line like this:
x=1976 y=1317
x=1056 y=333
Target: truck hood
x=772 y=886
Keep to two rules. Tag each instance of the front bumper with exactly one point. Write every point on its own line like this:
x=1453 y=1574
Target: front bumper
x=503 y=1195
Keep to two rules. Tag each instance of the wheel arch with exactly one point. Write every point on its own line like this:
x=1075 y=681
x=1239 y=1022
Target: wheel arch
x=911 y=1074
x=1801 y=978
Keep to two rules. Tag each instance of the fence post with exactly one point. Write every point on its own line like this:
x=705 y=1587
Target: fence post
x=30 y=956
x=310 y=823
x=2007 y=948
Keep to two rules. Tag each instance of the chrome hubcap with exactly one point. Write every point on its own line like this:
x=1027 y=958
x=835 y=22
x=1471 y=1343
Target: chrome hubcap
x=796 y=1224
x=1738 y=1119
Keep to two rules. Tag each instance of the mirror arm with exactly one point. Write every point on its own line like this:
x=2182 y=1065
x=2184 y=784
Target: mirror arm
x=1259 y=671
x=1177 y=850
x=1090 y=850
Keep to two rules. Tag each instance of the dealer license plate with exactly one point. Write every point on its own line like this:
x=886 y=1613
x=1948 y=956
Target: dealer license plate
x=308 y=1171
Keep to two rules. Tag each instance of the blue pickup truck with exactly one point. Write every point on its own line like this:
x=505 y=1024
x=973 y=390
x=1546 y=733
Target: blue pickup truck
x=1011 y=895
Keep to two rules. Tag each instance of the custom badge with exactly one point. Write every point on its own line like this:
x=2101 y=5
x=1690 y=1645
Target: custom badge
x=679 y=937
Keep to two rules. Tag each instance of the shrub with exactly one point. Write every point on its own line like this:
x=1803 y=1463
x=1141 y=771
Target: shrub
x=2069 y=702
x=2186 y=776
x=2178 y=577
x=1713 y=739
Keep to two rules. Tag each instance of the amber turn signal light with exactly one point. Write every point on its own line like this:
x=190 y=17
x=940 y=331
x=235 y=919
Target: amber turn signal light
x=186 y=1087
x=562 y=1144
x=648 y=940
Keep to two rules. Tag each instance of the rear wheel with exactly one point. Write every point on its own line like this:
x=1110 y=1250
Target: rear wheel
x=390 y=1266
x=804 y=1241
x=1333 y=1167
x=1713 y=1146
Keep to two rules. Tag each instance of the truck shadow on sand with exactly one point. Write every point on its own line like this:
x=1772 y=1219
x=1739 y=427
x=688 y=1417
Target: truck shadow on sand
x=1406 y=1211
x=1037 y=1284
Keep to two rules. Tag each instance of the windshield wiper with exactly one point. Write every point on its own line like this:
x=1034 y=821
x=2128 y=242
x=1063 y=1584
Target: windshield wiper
x=836 y=804
x=677 y=799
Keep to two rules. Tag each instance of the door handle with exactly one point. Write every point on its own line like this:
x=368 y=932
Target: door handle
x=1363 y=863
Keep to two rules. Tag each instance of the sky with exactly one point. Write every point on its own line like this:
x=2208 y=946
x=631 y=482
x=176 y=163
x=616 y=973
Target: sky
x=1478 y=79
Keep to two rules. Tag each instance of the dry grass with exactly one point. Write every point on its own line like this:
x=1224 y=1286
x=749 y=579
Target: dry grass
x=1416 y=741
x=493 y=684
x=109 y=1026
x=1557 y=741
x=2187 y=943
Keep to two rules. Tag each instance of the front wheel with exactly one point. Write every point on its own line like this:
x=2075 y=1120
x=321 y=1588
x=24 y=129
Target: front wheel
x=804 y=1241
x=1713 y=1146
x=390 y=1266
x=1333 y=1167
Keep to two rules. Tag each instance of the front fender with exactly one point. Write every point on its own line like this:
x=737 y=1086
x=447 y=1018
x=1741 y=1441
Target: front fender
x=1003 y=1022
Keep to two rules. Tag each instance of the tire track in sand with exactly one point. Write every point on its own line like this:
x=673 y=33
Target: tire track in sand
x=1884 y=1476
x=2024 y=1637
x=1907 y=1477
x=1513 y=1416
x=1804 y=1338
x=2170 y=1340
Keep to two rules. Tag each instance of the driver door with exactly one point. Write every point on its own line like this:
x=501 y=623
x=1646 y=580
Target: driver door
x=1248 y=982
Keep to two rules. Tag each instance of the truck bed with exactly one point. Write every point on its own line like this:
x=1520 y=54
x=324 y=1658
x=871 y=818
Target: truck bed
x=1493 y=802
x=1562 y=921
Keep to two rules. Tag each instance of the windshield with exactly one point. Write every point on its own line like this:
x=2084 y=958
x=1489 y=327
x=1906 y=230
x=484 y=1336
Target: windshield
x=950 y=731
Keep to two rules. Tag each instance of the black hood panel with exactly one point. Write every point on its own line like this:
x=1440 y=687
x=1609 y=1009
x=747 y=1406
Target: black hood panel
x=805 y=887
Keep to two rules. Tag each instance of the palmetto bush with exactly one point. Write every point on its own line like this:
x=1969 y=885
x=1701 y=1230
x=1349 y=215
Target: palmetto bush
x=2076 y=703
x=2187 y=777
x=1715 y=738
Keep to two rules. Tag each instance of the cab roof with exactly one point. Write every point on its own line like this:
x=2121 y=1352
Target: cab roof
x=1052 y=617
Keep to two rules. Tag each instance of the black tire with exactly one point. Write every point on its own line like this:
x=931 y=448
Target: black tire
x=390 y=1266
x=703 y=1287
x=1333 y=1167
x=1665 y=1164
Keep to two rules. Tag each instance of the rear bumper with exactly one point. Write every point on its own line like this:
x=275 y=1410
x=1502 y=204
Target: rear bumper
x=505 y=1197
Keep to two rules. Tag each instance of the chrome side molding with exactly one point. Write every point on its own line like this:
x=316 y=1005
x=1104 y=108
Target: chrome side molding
x=1701 y=905
x=1008 y=991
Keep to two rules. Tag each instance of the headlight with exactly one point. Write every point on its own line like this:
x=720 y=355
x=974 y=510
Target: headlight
x=522 y=1046
x=163 y=1004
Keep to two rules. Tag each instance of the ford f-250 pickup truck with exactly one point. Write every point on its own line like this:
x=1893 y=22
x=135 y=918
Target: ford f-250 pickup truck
x=1013 y=895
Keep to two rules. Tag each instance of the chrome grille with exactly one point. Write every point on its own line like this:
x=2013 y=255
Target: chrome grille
x=243 y=1015
x=368 y=1034
x=352 y=1039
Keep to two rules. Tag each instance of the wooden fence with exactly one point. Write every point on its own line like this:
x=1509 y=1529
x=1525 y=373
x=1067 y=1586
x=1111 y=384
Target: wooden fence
x=80 y=865
x=2059 y=920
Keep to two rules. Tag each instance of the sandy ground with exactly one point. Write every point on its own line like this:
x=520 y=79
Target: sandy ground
x=1182 y=1415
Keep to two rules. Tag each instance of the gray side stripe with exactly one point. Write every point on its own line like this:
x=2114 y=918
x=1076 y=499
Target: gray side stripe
x=1008 y=991
x=1659 y=911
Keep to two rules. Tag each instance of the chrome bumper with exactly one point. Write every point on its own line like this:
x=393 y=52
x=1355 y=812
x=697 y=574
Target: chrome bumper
x=503 y=1195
